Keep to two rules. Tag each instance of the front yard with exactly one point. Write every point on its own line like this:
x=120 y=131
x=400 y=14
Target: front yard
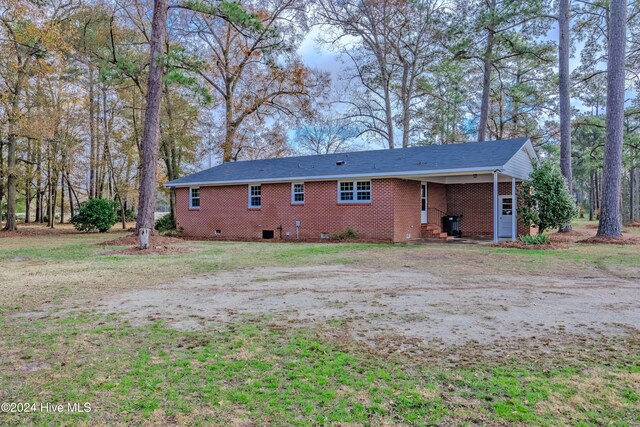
x=230 y=333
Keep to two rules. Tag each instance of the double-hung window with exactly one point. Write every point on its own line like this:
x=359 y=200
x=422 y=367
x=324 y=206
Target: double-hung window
x=255 y=196
x=354 y=191
x=194 y=197
x=297 y=193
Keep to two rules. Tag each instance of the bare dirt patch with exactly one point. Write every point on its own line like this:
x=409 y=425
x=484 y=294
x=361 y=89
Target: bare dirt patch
x=625 y=240
x=407 y=305
x=518 y=244
x=569 y=236
x=132 y=239
x=152 y=250
x=158 y=245
x=38 y=229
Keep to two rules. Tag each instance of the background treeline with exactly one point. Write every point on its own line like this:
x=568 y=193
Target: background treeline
x=73 y=77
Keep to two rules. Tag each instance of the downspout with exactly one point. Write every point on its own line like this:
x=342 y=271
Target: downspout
x=514 y=210
x=495 y=207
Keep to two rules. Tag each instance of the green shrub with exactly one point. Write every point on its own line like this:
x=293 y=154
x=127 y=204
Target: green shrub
x=96 y=214
x=546 y=200
x=347 y=234
x=535 y=239
x=165 y=223
x=130 y=215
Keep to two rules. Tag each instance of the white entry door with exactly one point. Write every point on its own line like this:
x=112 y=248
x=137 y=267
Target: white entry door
x=505 y=219
x=423 y=203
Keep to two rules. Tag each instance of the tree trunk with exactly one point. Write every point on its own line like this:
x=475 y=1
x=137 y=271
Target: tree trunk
x=39 y=182
x=610 y=215
x=406 y=92
x=10 y=225
x=230 y=129
x=388 y=113
x=596 y=187
x=1 y=178
x=634 y=194
x=62 y=197
x=52 y=202
x=150 y=139
x=92 y=138
x=27 y=184
x=71 y=209
x=565 y=98
x=592 y=196
x=486 y=87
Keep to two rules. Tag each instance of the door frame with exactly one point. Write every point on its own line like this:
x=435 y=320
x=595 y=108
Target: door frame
x=500 y=200
x=424 y=203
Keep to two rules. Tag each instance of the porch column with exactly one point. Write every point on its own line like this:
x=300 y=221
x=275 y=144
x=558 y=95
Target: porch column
x=495 y=206
x=514 y=210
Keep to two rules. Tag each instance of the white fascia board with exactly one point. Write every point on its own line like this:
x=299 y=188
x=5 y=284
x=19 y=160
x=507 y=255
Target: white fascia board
x=410 y=174
x=532 y=151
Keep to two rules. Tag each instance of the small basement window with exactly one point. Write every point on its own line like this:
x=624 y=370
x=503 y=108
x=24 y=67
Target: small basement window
x=297 y=193
x=267 y=234
x=255 y=196
x=354 y=191
x=194 y=197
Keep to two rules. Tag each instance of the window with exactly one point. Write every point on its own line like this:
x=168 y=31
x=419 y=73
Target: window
x=297 y=193
x=507 y=206
x=194 y=197
x=255 y=196
x=346 y=191
x=356 y=191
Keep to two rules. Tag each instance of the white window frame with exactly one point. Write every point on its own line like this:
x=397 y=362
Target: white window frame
x=191 y=206
x=251 y=206
x=293 y=193
x=354 y=192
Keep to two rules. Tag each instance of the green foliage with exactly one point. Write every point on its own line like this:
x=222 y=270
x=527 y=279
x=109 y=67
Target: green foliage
x=546 y=200
x=538 y=239
x=165 y=223
x=181 y=68
x=96 y=214
x=348 y=234
x=228 y=10
x=130 y=215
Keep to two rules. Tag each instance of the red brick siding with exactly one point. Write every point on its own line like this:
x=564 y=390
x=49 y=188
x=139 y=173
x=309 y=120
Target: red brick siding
x=406 y=212
x=475 y=203
x=226 y=208
x=437 y=196
x=393 y=213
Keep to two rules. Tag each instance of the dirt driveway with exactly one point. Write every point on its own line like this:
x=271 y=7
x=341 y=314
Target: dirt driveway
x=401 y=302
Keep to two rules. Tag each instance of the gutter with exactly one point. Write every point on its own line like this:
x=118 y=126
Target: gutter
x=441 y=172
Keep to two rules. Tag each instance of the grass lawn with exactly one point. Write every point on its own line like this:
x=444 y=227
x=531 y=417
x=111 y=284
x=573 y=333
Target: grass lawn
x=55 y=348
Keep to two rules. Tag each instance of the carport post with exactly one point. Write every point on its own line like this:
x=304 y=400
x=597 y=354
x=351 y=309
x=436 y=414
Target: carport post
x=495 y=206
x=514 y=210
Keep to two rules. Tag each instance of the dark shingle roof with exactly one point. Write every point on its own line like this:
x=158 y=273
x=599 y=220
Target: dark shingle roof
x=430 y=158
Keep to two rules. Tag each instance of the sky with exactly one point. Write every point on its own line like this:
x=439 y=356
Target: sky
x=315 y=55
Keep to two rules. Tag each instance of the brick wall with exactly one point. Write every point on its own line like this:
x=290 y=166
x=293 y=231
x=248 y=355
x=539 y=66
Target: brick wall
x=437 y=196
x=406 y=210
x=388 y=217
x=392 y=215
x=475 y=203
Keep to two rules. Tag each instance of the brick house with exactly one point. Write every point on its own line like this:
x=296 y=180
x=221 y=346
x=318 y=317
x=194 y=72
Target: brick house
x=386 y=195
